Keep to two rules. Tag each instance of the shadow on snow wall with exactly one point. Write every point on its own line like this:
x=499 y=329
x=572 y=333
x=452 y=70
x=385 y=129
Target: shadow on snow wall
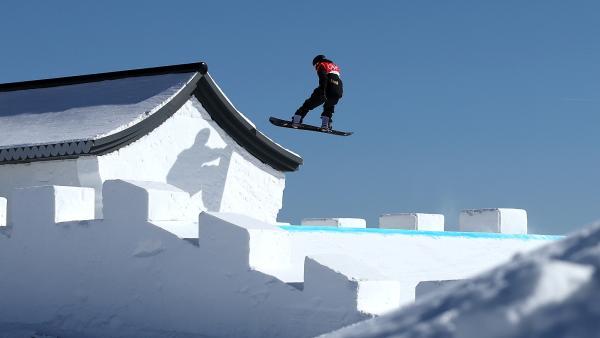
x=201 y=168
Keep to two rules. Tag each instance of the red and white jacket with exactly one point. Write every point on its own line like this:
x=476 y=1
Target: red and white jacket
x=327 y=67
x=328 y=72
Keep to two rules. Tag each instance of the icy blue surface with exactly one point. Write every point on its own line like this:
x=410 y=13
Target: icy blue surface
x=302 y=228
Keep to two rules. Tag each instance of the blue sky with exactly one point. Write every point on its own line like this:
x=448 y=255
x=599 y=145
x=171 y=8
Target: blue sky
x=455 y=105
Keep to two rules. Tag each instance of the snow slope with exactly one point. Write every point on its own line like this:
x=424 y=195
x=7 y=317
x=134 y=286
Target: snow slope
x=552 y=292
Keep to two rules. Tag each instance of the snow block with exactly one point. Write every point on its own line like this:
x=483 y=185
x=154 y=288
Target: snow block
x=336 y=222
x=2 y=211
x=53 y=204
x=344 y=282
x=223 y=242
x=412 y=221
x=143 y=201
x=247 y=242
x=499 y=220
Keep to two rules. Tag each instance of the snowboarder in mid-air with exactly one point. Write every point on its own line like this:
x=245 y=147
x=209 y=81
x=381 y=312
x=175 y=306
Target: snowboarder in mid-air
x=328 y=93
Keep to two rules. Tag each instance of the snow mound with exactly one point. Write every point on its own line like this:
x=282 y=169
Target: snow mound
x=552 y=292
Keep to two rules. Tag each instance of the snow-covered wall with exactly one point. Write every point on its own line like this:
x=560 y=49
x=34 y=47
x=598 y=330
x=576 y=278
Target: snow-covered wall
x=405 y=256
x=126 y=277
x=189 y=151
x=131 y=274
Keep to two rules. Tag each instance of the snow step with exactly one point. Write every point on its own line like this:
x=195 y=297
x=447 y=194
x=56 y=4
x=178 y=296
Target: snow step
x=146 y=201
x=342 y=281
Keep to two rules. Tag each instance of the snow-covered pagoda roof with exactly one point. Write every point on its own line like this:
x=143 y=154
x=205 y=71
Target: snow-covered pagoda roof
x=94 y=114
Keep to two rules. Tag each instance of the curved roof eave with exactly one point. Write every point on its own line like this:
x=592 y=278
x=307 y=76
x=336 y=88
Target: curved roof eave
x=202 y=86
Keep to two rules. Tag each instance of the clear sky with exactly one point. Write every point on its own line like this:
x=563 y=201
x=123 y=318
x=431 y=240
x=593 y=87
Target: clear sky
x=454 y=104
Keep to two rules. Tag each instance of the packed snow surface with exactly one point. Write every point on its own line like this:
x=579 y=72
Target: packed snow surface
x=552 y=292
x=82 y=111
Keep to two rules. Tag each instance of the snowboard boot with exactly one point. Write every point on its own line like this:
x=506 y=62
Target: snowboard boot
x=326 y=123
x=296 y=121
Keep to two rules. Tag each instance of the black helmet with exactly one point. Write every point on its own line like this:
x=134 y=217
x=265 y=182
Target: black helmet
x=318 y=58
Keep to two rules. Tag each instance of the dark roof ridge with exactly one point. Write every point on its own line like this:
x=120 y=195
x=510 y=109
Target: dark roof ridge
x=200 y=67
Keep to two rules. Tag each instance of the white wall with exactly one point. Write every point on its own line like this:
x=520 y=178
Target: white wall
x=252 y=189
x=192 y=153
x=408 y=257
x=125 y=277
x=188 y=151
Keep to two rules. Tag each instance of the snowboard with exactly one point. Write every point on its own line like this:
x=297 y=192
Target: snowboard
x=302 y=126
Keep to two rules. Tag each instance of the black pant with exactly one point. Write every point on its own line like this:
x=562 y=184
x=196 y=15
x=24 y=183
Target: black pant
x=327 y=97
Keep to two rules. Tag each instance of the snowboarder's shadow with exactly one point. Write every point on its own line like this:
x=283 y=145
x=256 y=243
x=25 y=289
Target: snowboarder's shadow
x=201 y=169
